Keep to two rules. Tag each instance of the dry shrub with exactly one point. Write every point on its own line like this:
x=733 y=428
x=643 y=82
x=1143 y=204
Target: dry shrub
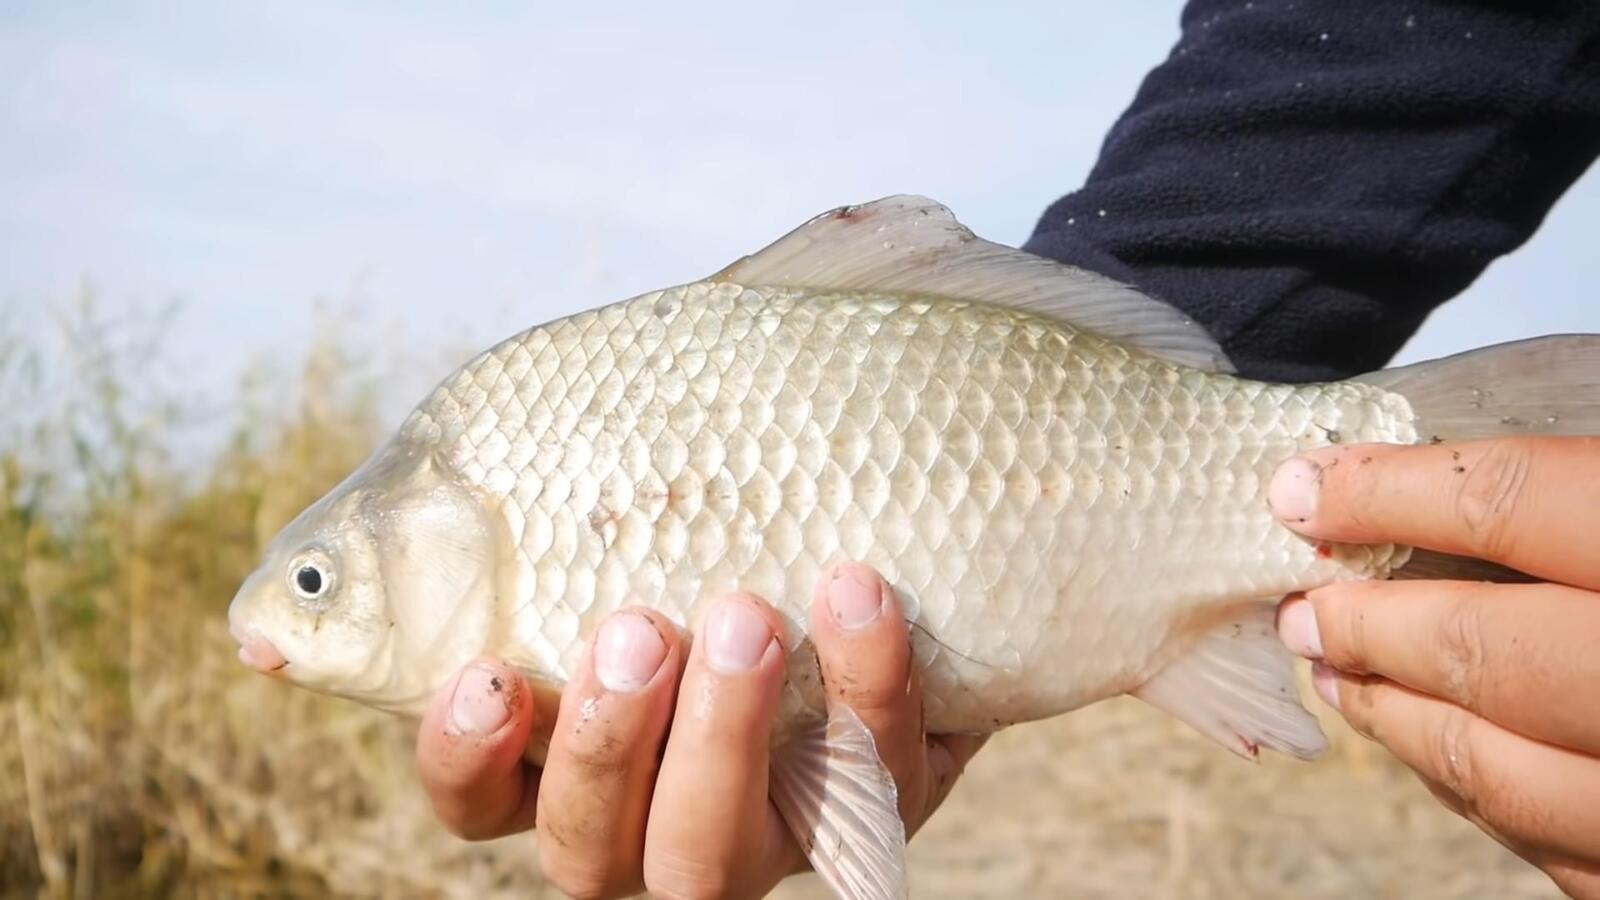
x=138 y=758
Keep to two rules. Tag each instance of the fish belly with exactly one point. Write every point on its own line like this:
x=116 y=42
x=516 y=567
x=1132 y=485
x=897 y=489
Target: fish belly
x=1060 y=516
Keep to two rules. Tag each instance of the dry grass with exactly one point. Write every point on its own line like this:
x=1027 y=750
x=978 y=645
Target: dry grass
x=137 y=758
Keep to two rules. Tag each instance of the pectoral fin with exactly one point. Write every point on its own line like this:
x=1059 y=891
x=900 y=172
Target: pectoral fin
x=841 y=803
x=1236 y=686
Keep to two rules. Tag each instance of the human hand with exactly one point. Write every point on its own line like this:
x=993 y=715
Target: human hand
x=1490 y=692
x=654 y=785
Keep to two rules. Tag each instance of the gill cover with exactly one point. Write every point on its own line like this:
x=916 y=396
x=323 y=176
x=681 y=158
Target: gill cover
x=436 y=560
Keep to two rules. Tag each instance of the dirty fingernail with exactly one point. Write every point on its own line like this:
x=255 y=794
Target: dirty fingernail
x=855 y=597
x=1297 y=628
x=736 y=637
x=1326 y=683
x=1293 y=491
x=627 y=653
x=478 y=705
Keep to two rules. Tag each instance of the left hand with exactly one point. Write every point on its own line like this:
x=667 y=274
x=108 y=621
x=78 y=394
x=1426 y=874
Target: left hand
x=656 y=776
x=1490 y=692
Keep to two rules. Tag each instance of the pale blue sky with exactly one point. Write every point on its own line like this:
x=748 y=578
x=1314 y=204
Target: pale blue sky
x=456 y=176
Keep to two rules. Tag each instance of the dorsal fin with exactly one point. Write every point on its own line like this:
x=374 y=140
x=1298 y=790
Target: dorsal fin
x=912 y=245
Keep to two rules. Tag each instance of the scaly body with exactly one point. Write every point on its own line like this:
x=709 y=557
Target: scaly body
x=1060 y=515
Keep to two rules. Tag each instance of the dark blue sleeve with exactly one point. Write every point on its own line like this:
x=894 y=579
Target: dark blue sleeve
x=1309 y=179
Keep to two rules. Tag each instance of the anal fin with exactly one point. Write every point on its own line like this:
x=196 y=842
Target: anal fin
x=841 y=803
x=1236 y=686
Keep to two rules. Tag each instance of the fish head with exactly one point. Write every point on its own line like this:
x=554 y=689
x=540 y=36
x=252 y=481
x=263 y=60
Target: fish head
x=378 y=592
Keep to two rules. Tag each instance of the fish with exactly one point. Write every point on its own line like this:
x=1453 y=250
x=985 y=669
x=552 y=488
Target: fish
x=1063 y=478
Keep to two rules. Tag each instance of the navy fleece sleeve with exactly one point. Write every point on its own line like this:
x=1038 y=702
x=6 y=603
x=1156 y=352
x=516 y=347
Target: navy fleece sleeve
x=1309 y=179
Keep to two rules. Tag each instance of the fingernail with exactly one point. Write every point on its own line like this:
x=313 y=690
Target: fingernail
x=478 y=705
x=1297 y=628
x=1326 y=683
x=1293 y=492
x=627 y=652
x=855 y=597
x=736 y=637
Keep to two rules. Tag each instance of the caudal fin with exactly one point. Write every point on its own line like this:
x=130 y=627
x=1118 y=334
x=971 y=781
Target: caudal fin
x=1545 y=385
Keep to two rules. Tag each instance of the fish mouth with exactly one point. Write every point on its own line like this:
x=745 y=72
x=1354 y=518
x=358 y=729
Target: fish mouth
x=257 y=652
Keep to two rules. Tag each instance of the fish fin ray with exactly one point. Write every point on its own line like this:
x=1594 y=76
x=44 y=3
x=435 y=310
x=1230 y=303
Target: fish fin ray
x=1236 y=685
x=913 y=245
x=1542 y=385
x=840 y=801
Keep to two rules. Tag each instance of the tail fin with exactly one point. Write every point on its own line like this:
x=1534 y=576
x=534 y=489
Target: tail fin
x=1545 y=385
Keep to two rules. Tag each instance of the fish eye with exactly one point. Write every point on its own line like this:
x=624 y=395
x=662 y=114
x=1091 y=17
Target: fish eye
x=309 y=580
x=311 y=576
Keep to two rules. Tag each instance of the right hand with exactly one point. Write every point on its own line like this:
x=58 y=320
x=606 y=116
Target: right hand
x=651 y=786
x=1487 y=691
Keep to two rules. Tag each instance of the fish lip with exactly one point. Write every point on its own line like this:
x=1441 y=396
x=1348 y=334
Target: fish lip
x=257 y=652
x=246 y=657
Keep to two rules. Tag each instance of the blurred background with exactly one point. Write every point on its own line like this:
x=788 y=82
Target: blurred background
x=237 y=243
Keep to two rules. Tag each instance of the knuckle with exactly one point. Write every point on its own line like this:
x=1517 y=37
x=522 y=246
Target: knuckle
x=674 y=877
x=1460 y=653
x=1456 y=757
x=1491 y=491
x=1358 y=702
x=603 y=758
x=1341 y=615
x=582 y=862
x=581 y=881
x=1470 y=774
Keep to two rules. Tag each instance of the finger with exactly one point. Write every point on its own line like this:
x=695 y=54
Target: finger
x=601 y=765
x=1519 y=655
x=1528 y=503
x=1533 y=794
x=469 y=752
x=1575 y=879
x=865 y=653
x=711 y=830
x=1458 y=806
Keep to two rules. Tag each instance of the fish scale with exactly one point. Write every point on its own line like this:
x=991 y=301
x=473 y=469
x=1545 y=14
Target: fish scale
x=1007 y=473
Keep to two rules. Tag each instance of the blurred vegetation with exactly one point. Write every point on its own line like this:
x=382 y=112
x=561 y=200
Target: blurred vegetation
x=139 y=759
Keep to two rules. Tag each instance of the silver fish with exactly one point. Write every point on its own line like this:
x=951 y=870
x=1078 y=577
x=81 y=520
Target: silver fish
x=1058 y=474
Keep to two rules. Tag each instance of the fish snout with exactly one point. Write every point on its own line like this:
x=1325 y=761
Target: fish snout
x=256 y=651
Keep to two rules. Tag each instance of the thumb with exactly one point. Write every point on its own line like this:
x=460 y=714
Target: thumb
x=470 y=752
